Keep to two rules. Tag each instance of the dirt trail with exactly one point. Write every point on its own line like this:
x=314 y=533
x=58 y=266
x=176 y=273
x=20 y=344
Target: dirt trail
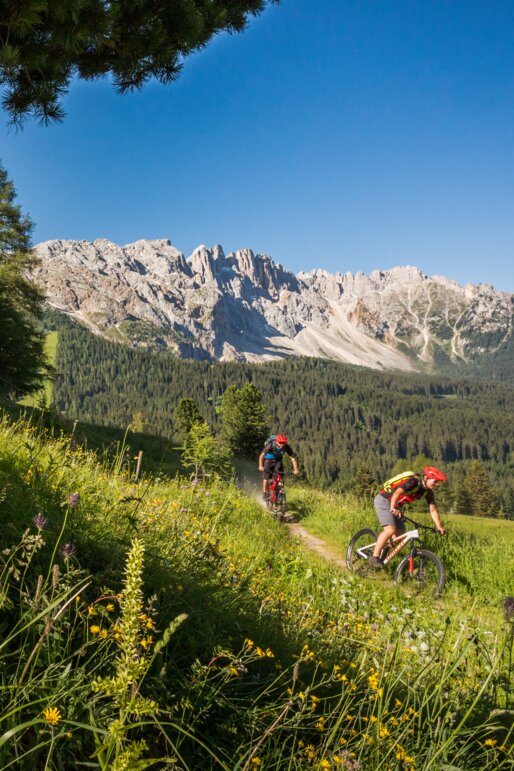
x=250 y=480
x=315 y=544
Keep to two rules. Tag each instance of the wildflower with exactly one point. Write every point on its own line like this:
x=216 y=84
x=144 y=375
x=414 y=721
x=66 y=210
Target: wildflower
x=92 y=611
x=314 y=702
x=490 y=742
x=310 y=751
x=40 y=521
x=103 y=634
x=95 y=629
x=324 y=763
x=256 y=762
x=233 y=670
x=73 y=499
x=109 y=607
x=52 y=715
x=68 y=550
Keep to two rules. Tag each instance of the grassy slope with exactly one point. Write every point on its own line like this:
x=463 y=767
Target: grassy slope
x=46 y=392
x=213 y=554
x=478 y=553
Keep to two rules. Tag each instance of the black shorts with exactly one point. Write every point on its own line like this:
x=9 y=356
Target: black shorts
x=272 y=467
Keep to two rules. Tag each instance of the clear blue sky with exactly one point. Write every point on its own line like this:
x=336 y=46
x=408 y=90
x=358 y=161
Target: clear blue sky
x=344 y=134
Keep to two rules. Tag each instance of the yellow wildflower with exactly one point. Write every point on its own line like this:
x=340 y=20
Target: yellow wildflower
x=103 y=634
x=256 y=762
x=109 y=607
x=52 y=715
x=490 y=742
x=95 y=629
x=325 y=763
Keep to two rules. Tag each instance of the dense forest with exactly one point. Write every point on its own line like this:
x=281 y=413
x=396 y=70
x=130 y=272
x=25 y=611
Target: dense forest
x=349 y=425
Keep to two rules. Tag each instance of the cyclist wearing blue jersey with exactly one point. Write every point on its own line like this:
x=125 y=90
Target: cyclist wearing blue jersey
x=270 y=460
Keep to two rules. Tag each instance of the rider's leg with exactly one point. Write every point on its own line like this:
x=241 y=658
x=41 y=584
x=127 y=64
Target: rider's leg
x=266 y=476
x=392 y=525
x=388 y=532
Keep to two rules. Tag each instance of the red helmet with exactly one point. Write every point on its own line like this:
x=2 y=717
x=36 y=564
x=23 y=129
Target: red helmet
x=433 y=473
x=281 y=438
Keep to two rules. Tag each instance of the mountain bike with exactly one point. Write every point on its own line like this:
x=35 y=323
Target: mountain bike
x=418 y=572
x=276 y=498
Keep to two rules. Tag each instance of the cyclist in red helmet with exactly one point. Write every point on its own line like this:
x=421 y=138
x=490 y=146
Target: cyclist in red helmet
x=270 y=460
x=398 y=491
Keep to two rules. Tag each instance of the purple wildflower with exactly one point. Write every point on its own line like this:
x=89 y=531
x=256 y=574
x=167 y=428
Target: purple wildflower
x=73 y=499
x=68 y=550
x=195 y=481
x=40 y=521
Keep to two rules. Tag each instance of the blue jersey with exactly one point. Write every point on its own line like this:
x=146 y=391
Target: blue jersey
x=273 y=452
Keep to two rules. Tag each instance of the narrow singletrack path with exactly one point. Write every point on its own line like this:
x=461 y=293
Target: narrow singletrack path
x=250 y=480
x=315 y=544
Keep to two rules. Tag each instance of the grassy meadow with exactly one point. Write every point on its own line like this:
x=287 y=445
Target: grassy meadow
x=173 y=623
x=46 y=392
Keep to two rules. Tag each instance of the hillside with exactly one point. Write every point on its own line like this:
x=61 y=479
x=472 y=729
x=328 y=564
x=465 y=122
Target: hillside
x=342 y=420
x=222 y=644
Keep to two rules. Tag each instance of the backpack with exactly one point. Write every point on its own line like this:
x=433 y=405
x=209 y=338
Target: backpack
x=396 y=481
x=270 y=440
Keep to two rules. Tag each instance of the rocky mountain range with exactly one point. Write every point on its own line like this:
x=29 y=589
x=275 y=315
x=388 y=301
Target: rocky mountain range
x=246 y=307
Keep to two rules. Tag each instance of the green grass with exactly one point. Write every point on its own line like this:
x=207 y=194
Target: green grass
x=283 y=661
x=478 y=552
x=45 y=394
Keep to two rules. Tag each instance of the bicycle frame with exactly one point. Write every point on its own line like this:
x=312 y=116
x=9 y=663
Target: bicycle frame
x=275 y=486
x=404 y=538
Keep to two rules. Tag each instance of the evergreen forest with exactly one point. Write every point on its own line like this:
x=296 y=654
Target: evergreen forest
x=351 y=427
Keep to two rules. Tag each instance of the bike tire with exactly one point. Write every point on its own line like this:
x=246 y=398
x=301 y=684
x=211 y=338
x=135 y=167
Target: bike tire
x=427 y=577
x=354 y=561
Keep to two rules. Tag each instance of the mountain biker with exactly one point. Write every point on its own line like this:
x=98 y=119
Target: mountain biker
x=390 y=501
x=270 y=460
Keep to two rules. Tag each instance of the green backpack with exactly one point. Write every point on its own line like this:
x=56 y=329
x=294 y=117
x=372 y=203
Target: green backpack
x=396 y=481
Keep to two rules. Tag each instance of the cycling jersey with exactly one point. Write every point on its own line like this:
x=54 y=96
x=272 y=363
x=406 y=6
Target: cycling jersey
x=413 y=490
x=273 y=452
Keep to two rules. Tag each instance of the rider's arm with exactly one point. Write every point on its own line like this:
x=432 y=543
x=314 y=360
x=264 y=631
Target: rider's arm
x=394 y=501
x=435 y=517
x=261 y=461
x=296 y=470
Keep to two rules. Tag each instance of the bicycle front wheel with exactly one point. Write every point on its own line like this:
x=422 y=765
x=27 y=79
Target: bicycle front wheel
x=420 y=573
x=359 y=550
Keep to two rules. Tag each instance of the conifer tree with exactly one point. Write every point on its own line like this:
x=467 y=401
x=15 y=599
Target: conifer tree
x=186 y=415
x=244 y=421
x=46 y=43
x=204 y=453
x=22 y=358
x=484 y=498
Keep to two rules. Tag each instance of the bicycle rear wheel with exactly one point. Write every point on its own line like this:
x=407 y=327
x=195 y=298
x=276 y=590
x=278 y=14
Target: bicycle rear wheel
x=359 y=550
x=421 y=573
